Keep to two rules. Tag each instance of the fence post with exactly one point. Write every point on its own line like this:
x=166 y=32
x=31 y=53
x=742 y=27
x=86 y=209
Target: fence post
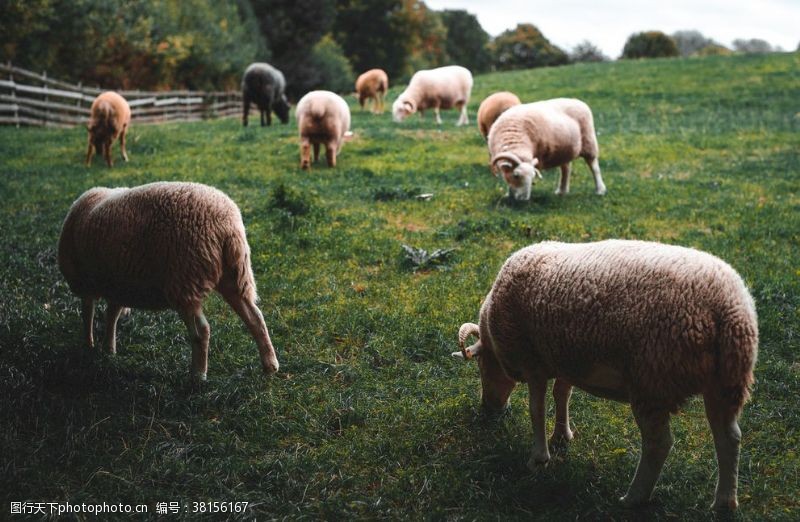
x=13 y=93
x=46 y=100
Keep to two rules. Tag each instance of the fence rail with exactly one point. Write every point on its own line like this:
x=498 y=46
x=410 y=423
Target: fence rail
x=29 y=98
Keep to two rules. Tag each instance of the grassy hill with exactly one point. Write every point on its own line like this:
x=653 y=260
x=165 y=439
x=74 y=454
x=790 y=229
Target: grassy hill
x=369 y=415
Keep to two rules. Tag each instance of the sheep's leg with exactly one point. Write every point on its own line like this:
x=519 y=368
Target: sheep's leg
x=89 y=152
x=438 y=117
x=87 y=317
x=463 y=119
x=656 y=445
x=269 y=117
x=540 y=454
x=245 y=110
x=113 y=311
x=727 y=437
x=600 y=187
x=261 y=113
x=199 y=336
x=330 y=154
x=563 y=186
x=562 y=434
x=305 y=153
x=107 y=154
x=122 y=142
x=316 y=152
x=254 y=320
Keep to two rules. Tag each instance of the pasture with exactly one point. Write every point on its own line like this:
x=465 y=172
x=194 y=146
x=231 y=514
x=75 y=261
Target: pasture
x=369 y=416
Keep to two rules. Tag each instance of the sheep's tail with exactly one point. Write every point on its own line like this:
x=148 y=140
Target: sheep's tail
x=737 y=352
x=236 y=256
x=383 y=85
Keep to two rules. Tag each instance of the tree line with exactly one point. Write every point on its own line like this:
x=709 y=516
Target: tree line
x=196 y=44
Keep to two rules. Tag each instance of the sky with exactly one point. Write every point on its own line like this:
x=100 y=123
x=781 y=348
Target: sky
x=608 y=23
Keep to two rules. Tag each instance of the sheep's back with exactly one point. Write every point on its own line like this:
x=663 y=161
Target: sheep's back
x=654 y=312
x=155 y=246
x=323 y=115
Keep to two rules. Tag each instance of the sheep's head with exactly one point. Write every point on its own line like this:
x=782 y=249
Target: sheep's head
x=495 y=384
x=519 y=175
x=281 y=108
x=402 y=109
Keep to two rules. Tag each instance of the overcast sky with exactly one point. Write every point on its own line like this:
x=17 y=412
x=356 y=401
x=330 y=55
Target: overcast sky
x=608 y=23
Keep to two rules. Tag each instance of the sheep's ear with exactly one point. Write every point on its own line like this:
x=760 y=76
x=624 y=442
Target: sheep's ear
x=535 y=161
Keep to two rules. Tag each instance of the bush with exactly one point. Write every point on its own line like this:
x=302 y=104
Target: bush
x=752 y=46
x=586 y=51
x=650 y=44
x=714 y=49
x=525 y=47
x=333 y=68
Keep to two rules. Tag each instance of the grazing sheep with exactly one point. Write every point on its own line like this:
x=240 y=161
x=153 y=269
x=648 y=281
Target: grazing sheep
x=372 y=85
x=264 y=85
x=492 y=107
x=158 y=246
x=441 y=88
x=110 y=117
x=323 y=118
x=544 y=134
x=633 y=321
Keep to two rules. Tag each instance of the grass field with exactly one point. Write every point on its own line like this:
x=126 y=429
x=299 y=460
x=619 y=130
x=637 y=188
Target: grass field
x=369 y=416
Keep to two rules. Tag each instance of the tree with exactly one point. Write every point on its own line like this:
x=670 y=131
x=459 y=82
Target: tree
x=752 y=46
x=525 y=47
x=586 y=51
x=690 y=42
x=334 y=72
x=649 y=44
x=425 y=36
x=467 y=42
x=714 y=49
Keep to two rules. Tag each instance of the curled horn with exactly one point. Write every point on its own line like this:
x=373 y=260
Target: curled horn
x=464 y=332
x=509 y=156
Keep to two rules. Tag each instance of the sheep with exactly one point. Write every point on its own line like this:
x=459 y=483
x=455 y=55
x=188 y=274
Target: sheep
x=639 y=322
x=372 y=85
x=110 y=117
x=492 y=107
x=543 y=134
x=322 y=118
x=159 y=246
x=440 y=88
x=264 y=85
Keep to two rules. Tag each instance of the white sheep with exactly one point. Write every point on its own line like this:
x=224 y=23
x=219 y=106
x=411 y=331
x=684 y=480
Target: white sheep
x=110 y=117
x=638 y=322
x=372 y=85
x=492 y=107
x=543 y=135
x=158 y=246
x=323 y=118
x=440 y=88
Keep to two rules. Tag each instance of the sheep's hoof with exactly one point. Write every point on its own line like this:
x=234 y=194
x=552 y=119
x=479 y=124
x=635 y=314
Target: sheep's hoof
x=630 y=501
x=601 y=192
x=725 y=504
x=537 y=461
x=199 y=376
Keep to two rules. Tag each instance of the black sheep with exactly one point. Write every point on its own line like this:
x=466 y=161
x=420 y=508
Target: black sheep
x=264 y=85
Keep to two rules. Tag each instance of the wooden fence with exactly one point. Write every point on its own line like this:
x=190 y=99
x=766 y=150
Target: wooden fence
x=28 y=98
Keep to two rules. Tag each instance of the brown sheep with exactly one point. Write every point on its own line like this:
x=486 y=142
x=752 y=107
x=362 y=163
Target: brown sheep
x=372 y=85
x=110 y=118
x=492 y=107
x=323 y=118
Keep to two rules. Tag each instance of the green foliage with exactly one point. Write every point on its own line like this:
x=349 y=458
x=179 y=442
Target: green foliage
x=421 y=259
x=586 y=51
x=332 y=68
x=370 y=417
x=649 y=44
x=467 y=42
x=714 y=49
x=525 y=47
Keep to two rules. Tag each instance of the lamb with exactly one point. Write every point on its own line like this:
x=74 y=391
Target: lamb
x=158 y=246
x=543 y=134
x=633 y=321
x=323 y=118
x=372 y=85
x=110 y=117
x=492 y=107
x=264 y=85
x=440 y=88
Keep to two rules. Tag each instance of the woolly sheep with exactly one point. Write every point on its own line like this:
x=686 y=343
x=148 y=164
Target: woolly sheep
x=158 y=246
x=543 y=134
x=323 y=118
x=372 y=85
x=638 y=322
x=492 y=107
x=109 y=118
x=264 y=85
x=440 y=88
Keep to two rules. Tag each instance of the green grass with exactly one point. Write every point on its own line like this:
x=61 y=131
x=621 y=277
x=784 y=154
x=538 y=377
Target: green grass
x=370 y=416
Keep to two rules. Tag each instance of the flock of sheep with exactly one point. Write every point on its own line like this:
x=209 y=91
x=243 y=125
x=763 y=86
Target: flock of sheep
x=640 y=322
